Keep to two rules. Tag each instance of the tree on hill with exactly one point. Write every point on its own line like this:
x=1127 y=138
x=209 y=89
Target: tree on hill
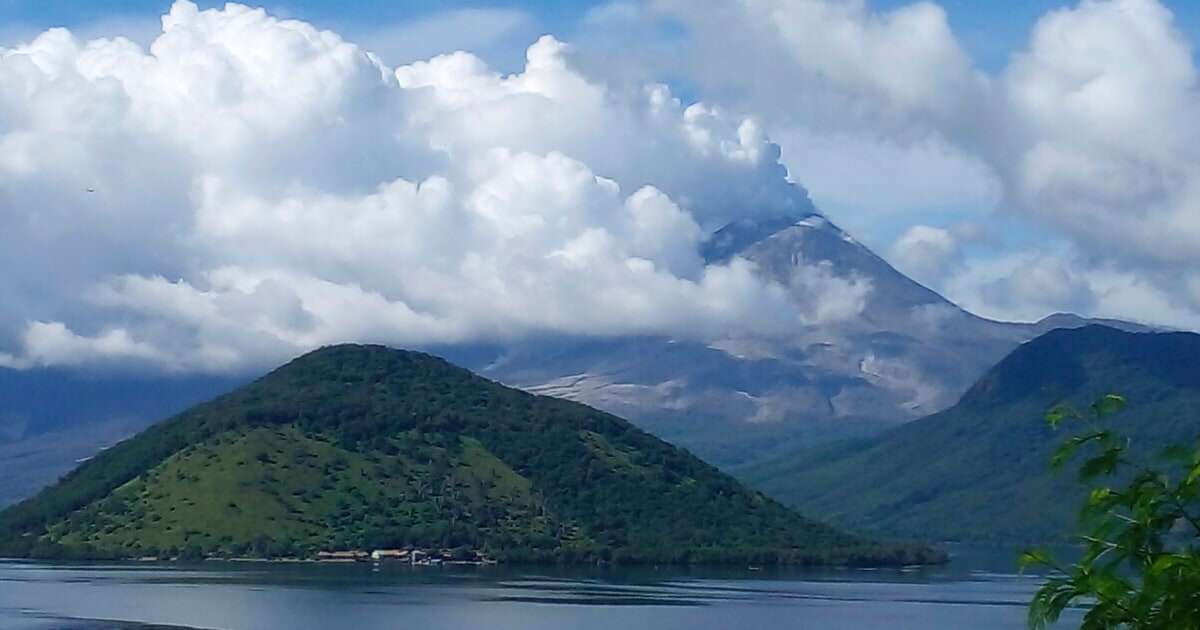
x=1140 y=567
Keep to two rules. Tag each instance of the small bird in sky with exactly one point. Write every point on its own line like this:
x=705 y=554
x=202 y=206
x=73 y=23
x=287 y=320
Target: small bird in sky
x=91 y=190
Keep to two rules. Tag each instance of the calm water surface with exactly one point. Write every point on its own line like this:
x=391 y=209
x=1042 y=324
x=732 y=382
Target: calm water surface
x=977 y=590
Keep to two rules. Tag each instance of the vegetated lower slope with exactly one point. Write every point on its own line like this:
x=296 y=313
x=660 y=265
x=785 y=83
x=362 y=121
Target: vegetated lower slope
x=359 y=447
x=980 y=470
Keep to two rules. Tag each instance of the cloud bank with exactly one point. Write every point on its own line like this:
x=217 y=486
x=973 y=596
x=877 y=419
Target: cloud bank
x=1091 y=133
x=249 y=187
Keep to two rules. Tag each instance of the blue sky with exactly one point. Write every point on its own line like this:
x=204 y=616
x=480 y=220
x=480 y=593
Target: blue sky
x=502 y=42
x=990 y=29
x=352 y=15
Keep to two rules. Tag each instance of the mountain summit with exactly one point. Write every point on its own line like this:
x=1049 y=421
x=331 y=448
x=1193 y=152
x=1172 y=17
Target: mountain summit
x=359 y=447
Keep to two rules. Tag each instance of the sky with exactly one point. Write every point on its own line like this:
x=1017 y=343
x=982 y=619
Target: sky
x=991 y=31
x=206 y=187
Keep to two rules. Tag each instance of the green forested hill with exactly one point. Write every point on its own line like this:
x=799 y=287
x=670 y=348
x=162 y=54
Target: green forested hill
x=980 y=470
x=359 y=447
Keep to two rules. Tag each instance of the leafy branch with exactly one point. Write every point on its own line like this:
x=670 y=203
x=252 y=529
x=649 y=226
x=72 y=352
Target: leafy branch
x=1140 y=567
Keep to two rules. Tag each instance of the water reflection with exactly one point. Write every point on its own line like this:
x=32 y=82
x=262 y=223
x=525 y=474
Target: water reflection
x=976 y=591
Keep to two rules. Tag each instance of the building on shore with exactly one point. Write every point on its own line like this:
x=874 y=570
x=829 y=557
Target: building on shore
x=342 y=556
x=397 y=555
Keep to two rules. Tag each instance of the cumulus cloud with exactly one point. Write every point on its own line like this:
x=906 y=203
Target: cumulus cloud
x=249 y=187
x=51 y=343
x=825 y=296
x=854 y=95
x=870 y=181
x=1100 y=141
x=1105 y=113
x=1036 y=284
x=927 y=253
x=835 y=63
x=1027 y=285
x=1092 y=130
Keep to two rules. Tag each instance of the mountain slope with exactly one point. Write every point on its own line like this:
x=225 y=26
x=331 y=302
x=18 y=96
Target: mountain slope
x=979 y=470
x=351 y=447
x=904 y=353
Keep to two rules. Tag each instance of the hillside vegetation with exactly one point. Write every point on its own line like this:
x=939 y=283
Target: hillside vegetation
x=359 y=447
x=979 y=470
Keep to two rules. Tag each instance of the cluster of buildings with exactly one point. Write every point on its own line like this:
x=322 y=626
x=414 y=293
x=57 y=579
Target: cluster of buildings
x=415 y=557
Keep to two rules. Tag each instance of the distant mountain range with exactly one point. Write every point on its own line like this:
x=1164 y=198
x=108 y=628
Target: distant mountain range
x=980 y=470
x=361 y=447
x=735 y=402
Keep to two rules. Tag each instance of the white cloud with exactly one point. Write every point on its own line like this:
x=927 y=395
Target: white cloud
x=1027 y=285
x=867 y=177
x=1021 y=286
x=1092 y=131
x=51 y=343
x=1037 y=284
x=250 y=187
x=824 y=297
x=1104 y=125
x=926 y=253
x=870 y=107
x=831 y=62
x=1123 y=294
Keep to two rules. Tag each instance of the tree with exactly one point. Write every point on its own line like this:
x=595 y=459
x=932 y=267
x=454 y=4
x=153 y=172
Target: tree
x=1140 y=567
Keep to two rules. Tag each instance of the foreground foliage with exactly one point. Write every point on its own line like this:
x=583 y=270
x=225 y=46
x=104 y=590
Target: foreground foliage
x=359 y=447
x=1141 y=565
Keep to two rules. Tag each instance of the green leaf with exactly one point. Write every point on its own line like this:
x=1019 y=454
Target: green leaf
x=1165 y=563
x=1068 y=448
x=1134 y=572
x=1059 y=413
x=1035 y=558
x=1192 y=476
x=1099 y=496
x=1063 y=453
x=1103 y=464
